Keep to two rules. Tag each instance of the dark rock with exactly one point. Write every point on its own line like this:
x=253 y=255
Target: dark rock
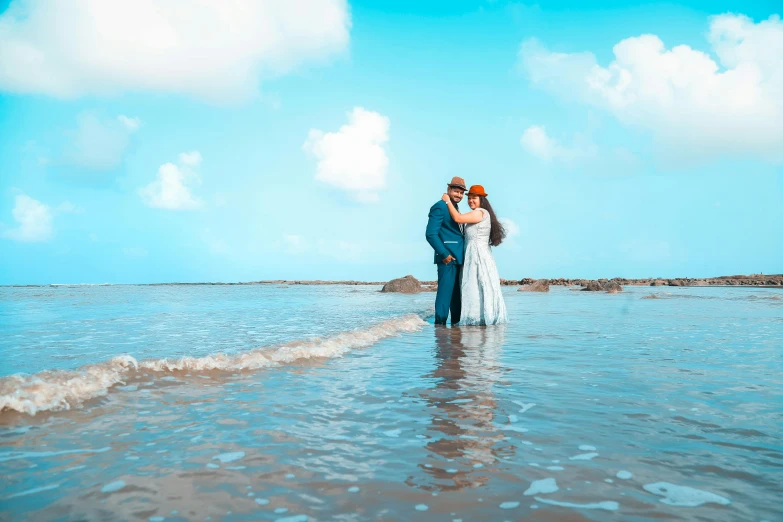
x=612 y=287
x=541 y=285
x=403 y=285
x=592 y=286
x=651 y=296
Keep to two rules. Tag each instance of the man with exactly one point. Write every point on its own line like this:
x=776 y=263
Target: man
x=445 y=237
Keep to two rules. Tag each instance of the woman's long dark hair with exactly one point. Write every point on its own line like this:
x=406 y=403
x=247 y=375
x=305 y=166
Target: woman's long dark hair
x=497 y=233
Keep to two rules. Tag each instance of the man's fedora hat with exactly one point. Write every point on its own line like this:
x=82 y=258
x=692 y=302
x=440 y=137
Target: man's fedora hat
x=477 y=190
x=458 y=182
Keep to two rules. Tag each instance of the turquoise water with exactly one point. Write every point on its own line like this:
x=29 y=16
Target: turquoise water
x=342 y=403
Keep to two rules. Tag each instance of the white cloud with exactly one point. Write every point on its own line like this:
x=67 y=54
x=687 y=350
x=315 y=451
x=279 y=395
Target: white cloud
x=132 y=124
x=172 y=189
x=100 y=144
x=66 y=207
x=211 y=49
x=34 y=220
x=353 y=158
x=512 y=229
x=695 y=108
x=538 y=143
x=191 y=159
x=581 y=153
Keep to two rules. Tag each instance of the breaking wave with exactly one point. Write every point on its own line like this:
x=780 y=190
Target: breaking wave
x=56 y=390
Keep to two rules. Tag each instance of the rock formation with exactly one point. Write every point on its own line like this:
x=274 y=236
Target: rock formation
x=403 y=285
x=592 y=286
x=540 y=285
x=603 y=285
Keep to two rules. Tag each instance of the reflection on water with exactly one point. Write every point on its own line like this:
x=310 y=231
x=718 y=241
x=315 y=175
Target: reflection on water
x=583 y=407
x=463 y=407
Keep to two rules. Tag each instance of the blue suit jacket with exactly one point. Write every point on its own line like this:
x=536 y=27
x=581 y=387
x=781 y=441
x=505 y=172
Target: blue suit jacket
x=444 y=235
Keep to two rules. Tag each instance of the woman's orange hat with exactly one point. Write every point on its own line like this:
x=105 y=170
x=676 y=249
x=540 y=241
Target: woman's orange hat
x=477 y=190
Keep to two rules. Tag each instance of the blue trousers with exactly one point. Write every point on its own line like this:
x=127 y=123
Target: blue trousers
x=449 y=296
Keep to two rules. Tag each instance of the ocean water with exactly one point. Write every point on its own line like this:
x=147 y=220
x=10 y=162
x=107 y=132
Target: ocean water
x=342 y=403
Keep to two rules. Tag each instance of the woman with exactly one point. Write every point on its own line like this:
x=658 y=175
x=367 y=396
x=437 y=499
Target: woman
x=482 y=301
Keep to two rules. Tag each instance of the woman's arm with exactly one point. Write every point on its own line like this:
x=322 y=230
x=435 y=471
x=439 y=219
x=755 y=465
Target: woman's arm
x=474 y=216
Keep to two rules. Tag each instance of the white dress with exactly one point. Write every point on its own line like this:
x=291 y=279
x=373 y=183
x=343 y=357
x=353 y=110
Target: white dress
x=482 y=301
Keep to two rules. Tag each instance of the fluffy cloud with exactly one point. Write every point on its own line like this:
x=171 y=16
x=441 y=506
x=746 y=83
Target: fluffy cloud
x=98 y=144
x=353 y=158
x=191 y=159
x=695 y=108
x=538 y=143
x=33 y=218
x=172 y=189
x=211 y=49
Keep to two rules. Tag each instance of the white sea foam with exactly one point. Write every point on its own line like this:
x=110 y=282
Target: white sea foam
x=56 y=390
x=607 y=505
x=525 y=405
x=295 y=518
x=111 y=487
x=585 y=456
x=229 y=457
x=14 y=455
x=675 y=495
x=33 y=491
x=543 y=486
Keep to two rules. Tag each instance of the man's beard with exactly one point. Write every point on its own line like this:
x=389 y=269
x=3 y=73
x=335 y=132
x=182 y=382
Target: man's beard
x=455 y=203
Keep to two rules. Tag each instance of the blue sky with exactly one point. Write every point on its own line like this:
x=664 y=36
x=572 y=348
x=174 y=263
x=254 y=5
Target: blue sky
x=138 y=145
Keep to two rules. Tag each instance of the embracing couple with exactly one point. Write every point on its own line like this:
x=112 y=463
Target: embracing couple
x=468 y=281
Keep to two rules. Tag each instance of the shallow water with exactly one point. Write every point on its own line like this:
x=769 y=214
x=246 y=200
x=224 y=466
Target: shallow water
x=585 y=407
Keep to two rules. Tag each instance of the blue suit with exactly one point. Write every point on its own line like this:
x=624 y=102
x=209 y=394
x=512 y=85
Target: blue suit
x=445 y=237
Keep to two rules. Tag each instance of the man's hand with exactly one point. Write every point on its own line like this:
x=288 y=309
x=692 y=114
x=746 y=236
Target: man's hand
x=448 y=259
